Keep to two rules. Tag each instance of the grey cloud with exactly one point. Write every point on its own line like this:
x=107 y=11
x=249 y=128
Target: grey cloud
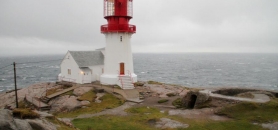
x=162 y=26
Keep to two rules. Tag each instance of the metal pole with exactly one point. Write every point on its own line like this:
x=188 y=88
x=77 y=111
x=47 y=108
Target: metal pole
x=16 y=101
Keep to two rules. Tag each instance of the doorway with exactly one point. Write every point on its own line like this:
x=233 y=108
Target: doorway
x=122 y=68
x=192 y=101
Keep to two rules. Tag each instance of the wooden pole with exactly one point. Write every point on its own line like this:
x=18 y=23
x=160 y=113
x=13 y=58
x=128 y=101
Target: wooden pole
x=15 y=86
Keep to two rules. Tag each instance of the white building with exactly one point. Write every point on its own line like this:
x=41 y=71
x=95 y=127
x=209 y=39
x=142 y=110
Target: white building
x=88 y=66
x=82 y=66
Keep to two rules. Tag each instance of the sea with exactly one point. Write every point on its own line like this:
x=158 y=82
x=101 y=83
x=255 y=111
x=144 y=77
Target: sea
x=194 y=70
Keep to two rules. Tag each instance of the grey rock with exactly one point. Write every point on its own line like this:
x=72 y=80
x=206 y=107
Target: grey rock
x=168 y=123
x=22 y=124
x=84 y=103
x=6 y=120
x=81 y=90
x=273 y=126
x=41 y=125
x=66 y=121
x=64 y=104
x=194 y=99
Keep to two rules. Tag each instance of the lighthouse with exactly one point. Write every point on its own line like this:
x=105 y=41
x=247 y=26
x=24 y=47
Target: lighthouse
x=118 y=61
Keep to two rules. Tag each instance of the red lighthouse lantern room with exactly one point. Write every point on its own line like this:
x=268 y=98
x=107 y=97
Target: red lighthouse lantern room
x=118 y=13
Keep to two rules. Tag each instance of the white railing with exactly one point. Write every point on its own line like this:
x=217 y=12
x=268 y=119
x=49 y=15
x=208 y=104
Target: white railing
x=129 y=74
x=120 y=78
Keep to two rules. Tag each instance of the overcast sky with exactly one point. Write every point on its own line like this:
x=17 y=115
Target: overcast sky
x=55 y=26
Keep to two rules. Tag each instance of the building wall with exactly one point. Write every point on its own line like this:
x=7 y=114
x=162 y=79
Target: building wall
x=117 y=50
x=69 y=63
x=96 y=72
x=77 y=75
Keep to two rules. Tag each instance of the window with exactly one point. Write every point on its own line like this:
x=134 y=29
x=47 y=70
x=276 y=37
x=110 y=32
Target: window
x=129 y=8
x=69 y=71
x=109 y=7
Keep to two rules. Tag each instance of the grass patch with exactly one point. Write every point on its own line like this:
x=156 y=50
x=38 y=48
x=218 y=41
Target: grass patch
x=162 y=101
x=142 y=110
x=110 y=123
x=154 y=82
x=195 y=124
x=252 y=112
x=88 y=96
x=25 y=113
x=138 y=120
x=144 y=118
x=61 y=125
x=108 y=101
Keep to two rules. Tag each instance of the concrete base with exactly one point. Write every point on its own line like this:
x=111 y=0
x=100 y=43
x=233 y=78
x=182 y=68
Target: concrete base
x=110 y=79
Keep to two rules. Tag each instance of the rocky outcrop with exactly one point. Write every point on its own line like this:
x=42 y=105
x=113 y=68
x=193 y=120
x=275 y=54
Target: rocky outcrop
x=271 y=126
x=23 y=124
x=7 y=122
x=194 y=99
x=35 y=90
x=66 y=103
x=41 y=125
x=66 y=121
x=81 y=90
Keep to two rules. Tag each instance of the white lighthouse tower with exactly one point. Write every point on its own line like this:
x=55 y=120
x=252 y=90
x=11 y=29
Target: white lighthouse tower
x=118 y=62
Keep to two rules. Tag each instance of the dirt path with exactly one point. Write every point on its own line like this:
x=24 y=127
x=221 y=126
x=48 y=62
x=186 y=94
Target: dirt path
x=258 y=98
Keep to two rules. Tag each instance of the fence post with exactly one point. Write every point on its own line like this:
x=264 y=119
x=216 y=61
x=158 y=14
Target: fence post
x=15 y=86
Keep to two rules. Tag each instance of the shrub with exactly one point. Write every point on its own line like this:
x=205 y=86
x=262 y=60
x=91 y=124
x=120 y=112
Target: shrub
x=25 y=113
x=163 y=100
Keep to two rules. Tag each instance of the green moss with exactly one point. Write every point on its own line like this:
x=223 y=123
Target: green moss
x=138 y=84
x=171 y=94
x=154 y=82
x=177 y=103
x=162 y=101
x=70 y=93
